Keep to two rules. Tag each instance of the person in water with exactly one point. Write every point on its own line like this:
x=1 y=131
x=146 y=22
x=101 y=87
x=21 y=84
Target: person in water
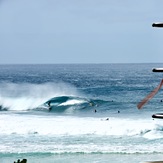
x=49 y=106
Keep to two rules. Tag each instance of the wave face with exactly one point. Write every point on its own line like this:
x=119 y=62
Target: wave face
x=64 y=103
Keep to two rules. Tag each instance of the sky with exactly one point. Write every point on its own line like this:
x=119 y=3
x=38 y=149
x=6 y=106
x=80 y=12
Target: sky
x=80 y=31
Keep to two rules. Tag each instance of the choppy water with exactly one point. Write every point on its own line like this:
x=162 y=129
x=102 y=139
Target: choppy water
x=79 y=113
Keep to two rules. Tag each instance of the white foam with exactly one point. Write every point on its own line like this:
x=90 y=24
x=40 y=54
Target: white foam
x=60 y=134
x=56 y=125
x=28 y=96
x=72 y=102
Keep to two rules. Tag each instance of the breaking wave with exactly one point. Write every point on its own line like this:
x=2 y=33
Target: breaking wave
x=58 y=97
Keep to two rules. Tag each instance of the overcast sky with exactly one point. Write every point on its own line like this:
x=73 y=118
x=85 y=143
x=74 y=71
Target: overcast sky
x=80 y=31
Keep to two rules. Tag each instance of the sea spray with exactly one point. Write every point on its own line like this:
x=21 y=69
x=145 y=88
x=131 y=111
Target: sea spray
x=24 y=96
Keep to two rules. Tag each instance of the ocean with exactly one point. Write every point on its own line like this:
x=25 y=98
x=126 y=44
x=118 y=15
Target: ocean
x=77 y=113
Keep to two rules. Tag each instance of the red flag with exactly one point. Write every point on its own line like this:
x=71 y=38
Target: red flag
x=151 y=95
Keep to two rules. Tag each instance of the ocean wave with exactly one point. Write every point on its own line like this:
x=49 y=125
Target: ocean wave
x=27 y=96
x=55 y=104
x=80 y=149
x=63 y=103
x=58 y=97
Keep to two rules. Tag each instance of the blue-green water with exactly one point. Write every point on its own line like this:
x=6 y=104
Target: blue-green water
x=79 y=113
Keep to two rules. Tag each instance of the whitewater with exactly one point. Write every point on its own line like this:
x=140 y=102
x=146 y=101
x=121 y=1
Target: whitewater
x=79 y=113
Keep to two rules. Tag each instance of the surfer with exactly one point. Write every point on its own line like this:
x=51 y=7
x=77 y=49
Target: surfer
x=49 y=106
x=107 y=119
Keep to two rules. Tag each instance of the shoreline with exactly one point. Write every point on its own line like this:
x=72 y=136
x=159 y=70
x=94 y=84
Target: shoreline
x=80 y=158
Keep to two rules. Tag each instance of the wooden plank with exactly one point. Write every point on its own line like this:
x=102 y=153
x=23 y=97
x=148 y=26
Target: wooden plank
x=160 y=25
x=157 y=70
